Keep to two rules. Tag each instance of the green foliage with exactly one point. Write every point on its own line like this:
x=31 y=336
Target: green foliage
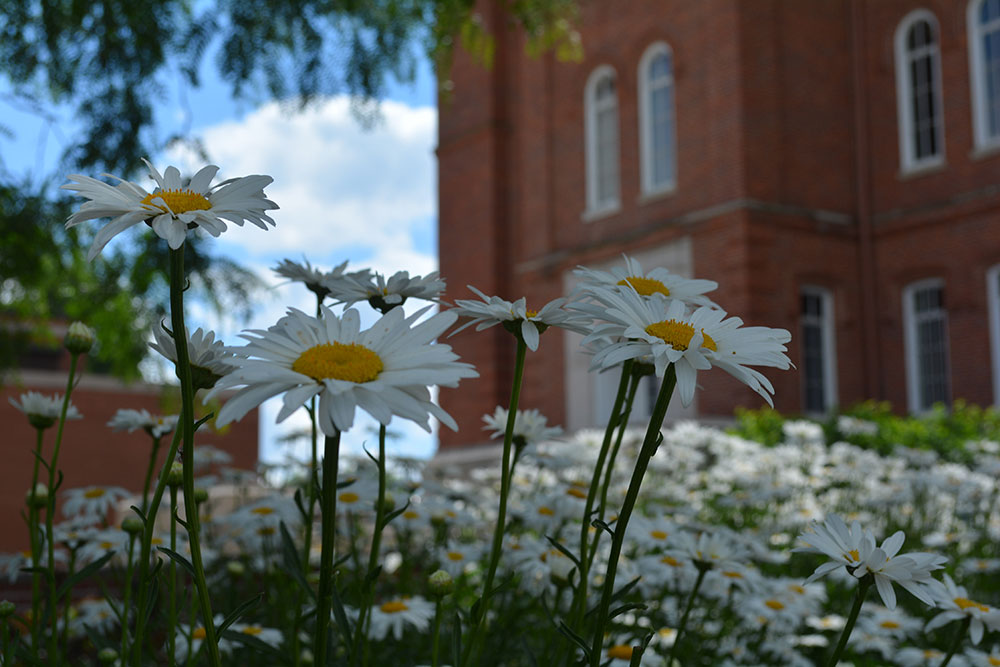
x=943 y=430
x=109 y=59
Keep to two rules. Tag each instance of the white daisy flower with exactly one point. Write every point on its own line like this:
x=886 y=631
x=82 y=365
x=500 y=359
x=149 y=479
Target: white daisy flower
x=394 y=616
x=173 y=207
x=132 y=420
x=384 y=370
x=43 y=411
x=957 y=605
x=925 y=657
x=982 y=659
x=912 y=571
x=518 y=319
x=93 y=501
x=209 y=358
x=455 y=558
x=657 y=281
x=383 y=294
x=309 y=276
x=94 y=614
x=835 y=540
x=269 y=636
x=530 y=426
x=189 y=639
x=660 y=331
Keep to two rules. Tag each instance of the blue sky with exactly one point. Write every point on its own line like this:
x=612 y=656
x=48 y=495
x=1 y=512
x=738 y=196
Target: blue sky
x=345 y=193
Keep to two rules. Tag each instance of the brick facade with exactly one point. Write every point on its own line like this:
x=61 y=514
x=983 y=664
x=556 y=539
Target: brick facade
x=788 y=174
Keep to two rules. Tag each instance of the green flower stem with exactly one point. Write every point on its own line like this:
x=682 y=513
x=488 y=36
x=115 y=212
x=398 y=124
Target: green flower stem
x=864 y=584
x=127 y=593
x=50 y=512
x=67 y=603
x=149 y=473
x=959 y=636
x=361 y=652
x=36 y=550
x=649 y=445
x=328 y=516
x=497 y=548
x=702 y=569
x=436 y=632
x=311 y=488
x=146 y=549
x=580 y=596
x=187 y=451
x=172 y=580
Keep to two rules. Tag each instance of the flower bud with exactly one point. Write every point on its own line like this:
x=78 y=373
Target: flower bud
x=200 y=496
x=388 y=504
x=7 y=608
x=175 y=477
x=107 y=655
x=38 y=499
x=79 y=338
x=132 y=525
x=235 y=568
x=440 y=583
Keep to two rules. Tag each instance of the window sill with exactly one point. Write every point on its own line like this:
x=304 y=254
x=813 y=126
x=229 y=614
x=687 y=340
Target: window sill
x=656 y=195
x=599 y=213
x=922 y=169
x=985 y=151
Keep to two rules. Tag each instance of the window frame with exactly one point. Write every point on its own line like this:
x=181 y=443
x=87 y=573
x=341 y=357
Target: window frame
x=982 y=141
x=993 y=309
x=595 y=207
x=646 y=148
x=829 y=347
x=908 y=161
x=913 y=378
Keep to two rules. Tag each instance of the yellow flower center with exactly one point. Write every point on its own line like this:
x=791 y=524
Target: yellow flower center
x=179 y=201
x=531 y=313
x=348 y=497
x=455 y=556
x=774 y=604
x=393 y=607
x=94 y=493
x=658 y=534
x=266 y=530
x=671 y=561
x=263 y=511
x=795 y=588
x=253 y=630
x=546 y=511
x=645 y=286
x=156 y=540
x=966 y=603
x=994 y=661
x=199 y=633
x=106 y=545
x=336 y=361
x=732 y=575
x=410 y=514
x=622 y=652
x=576 y=492
x=931 y=653
x=889 y=625
x=678 y=334
x=853 y=555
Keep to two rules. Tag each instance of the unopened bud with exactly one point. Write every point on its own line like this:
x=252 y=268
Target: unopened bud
x=107 y=655
x=132 y=525
x=389 y=503
x=175 y=477
x=200 y=495
x=439 y=583
x=40 y=497
x=235 y=568
x=7 y=608
x=79 y=338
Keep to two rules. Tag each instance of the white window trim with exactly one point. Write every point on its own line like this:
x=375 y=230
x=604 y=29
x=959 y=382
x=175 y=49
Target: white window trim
x=993 y=307
x=829 y=343
x=645 y=123
x=597 y=209
x=908 y=162
x=982 y=140
x=910 y=342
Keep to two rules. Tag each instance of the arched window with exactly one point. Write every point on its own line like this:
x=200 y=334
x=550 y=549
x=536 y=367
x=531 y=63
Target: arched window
x=984 y=67
x=918 y=91
x=657 y=123
x=601 y=108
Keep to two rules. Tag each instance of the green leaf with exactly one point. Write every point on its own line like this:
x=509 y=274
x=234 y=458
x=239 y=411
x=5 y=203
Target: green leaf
x=235 y=614
x=83 y=573
x=179 y=559
x=575 y=638
x=276 y=657
x=293 y=564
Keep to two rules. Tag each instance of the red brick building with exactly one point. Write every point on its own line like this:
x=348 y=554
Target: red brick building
x=91 y=453
x=833 y=164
